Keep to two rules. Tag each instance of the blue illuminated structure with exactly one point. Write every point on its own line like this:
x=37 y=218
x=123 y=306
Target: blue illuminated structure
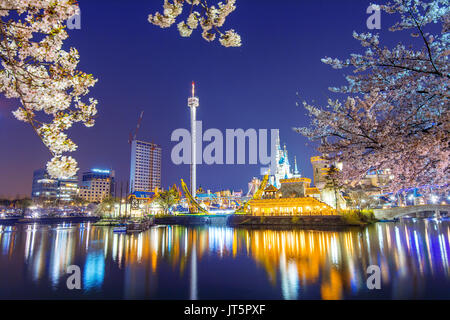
x=47 y=189
x=99 y=174
x=107 y=172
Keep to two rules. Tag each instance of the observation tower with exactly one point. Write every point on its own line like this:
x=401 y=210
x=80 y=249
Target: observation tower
x=193 y=104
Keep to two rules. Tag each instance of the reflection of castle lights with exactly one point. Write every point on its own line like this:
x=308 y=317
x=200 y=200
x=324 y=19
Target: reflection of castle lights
x=220 y=239
x=289 y=278
x=297 y=264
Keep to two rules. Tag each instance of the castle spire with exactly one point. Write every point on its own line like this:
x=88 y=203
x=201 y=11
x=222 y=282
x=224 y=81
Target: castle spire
x=295 y=166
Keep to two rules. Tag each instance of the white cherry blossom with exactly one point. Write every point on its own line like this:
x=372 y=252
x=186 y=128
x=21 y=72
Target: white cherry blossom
x=43 y=76
x=210 y=18
x=62 y=167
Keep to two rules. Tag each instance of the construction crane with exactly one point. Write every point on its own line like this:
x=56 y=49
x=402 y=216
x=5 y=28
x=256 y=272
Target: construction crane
x=133 y=136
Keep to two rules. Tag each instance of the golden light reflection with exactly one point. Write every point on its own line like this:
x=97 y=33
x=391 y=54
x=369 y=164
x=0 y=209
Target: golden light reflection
x=330 y=264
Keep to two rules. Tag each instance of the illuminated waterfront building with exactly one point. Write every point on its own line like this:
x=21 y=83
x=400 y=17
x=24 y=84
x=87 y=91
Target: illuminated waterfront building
x=142 y=203
x=47 y=190
x=145 y=169
x=294 y=197
x=67 y=189
x=97 y=185
x=44 y=187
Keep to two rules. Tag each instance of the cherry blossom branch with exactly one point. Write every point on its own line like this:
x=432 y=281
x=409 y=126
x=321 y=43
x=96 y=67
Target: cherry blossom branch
x=211 y=19
x=43 y=76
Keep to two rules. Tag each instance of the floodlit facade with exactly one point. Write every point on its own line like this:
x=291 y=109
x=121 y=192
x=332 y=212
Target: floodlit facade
x=145 y=169
x=295 y=197
x=97 y=185
x=47 y=190
x=320 y=170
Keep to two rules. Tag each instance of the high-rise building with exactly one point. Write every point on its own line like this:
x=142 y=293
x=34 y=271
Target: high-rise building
x=49 y=190
x=97 y=185
x=145 y=169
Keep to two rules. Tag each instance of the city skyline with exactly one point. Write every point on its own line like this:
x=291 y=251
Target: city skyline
x=263 y=96
x=204 y=152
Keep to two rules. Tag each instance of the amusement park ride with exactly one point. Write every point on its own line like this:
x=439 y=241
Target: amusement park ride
x=139 y=199
x=196 y=208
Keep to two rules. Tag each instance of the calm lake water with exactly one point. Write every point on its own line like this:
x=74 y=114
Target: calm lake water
x=176 y=262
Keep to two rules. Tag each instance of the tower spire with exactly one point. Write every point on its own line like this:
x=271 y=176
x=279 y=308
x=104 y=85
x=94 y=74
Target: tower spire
x=193 y=89
x=296 y=172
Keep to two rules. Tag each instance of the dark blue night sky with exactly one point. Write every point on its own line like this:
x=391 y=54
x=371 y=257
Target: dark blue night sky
x=143 y=67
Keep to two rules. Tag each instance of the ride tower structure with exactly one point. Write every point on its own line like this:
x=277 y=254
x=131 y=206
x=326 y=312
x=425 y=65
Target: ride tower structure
x=193 y=104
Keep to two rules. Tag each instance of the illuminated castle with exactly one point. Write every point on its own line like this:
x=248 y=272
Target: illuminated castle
x=294 y=197
x=287 y=192
x=283 y=167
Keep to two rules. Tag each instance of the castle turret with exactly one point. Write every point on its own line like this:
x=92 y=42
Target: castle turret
x=296 y=172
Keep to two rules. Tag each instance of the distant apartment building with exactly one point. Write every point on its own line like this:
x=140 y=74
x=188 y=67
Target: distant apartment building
x=145 y=169
x=96 y=185
x=320 y=170
x=47 y=190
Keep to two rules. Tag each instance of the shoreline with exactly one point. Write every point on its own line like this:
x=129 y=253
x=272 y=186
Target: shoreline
x=259 y=221
x=334 y=222
x=50 y=220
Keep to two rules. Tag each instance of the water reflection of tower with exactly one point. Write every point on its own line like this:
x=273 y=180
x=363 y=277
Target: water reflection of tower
x=193 y=104
x=193 y=287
